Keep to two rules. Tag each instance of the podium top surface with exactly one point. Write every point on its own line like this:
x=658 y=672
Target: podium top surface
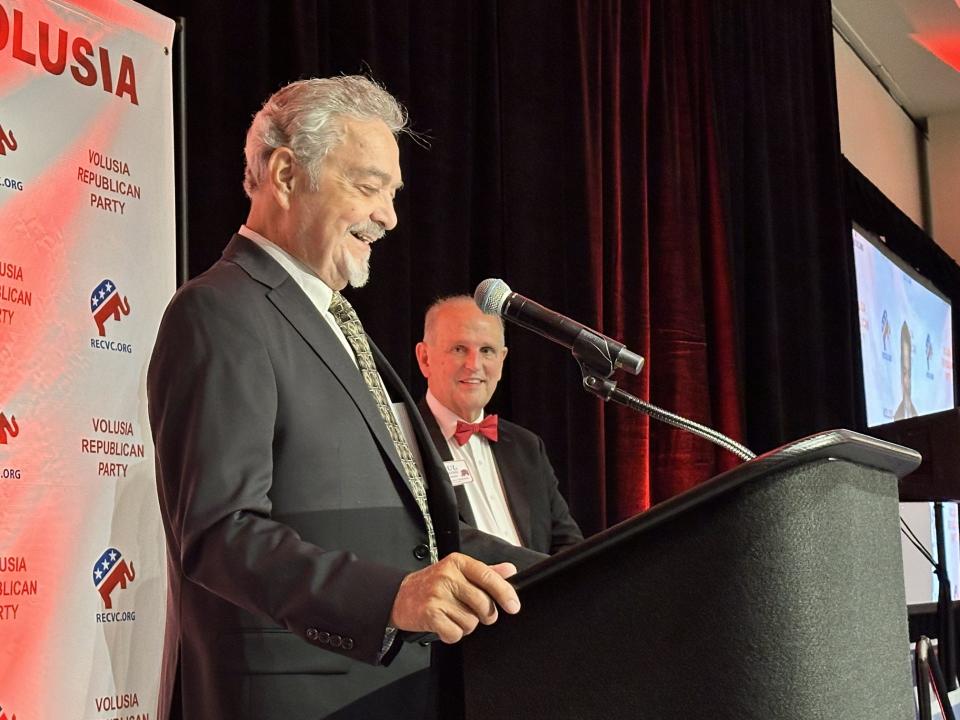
x=839 y=445
x=832 y=445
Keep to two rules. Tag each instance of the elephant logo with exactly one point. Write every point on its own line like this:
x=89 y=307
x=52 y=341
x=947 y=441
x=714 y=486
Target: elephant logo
x=109 y=571
x=106 y=302
x=8 y=428
x=7 y=141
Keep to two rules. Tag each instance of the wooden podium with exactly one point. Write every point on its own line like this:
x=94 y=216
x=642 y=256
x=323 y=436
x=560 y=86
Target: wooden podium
x=774 y=590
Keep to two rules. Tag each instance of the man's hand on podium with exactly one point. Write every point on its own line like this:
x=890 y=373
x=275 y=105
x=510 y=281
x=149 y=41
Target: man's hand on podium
x=453 y=596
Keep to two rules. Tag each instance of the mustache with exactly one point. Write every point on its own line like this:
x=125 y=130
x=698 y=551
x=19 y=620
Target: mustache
x=371 y=229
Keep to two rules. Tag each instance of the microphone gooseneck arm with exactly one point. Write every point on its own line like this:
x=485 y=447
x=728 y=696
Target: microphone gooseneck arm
x=607 y=390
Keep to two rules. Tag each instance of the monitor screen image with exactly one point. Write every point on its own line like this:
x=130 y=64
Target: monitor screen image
x=906 y=336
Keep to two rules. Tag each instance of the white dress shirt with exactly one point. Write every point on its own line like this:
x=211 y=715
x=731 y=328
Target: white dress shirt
x=485 y=491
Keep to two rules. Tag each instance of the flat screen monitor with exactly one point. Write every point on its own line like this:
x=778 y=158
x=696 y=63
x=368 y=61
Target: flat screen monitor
x=906 y=336
x=906 y=343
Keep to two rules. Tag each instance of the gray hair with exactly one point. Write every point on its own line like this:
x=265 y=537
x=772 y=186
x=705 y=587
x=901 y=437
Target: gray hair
x=430 y=319
x=306 y=116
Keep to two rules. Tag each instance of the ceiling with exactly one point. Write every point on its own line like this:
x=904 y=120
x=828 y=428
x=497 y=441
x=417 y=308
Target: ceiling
x=912 y=46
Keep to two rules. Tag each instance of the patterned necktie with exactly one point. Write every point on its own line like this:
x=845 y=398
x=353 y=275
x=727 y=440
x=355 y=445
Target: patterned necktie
x=486 y=427
x=349 y=323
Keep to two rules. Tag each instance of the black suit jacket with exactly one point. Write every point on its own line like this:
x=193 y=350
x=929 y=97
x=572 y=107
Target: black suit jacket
x=288 y=517
x=538 y=509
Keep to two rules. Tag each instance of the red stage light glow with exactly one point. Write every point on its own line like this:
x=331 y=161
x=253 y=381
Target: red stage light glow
x=944 y=46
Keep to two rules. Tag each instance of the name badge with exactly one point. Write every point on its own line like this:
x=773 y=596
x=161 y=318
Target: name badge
x=458 y=471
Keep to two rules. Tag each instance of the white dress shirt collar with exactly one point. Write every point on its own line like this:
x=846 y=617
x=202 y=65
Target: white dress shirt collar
x=446 y=418
x=317 y=290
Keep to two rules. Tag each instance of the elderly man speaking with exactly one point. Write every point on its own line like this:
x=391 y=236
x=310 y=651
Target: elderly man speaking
x=310 y=525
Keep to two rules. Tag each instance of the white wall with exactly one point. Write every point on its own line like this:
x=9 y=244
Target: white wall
x=875 y=133
x=943 y=158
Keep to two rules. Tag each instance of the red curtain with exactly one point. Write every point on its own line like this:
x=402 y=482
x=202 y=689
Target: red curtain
x=658 y=251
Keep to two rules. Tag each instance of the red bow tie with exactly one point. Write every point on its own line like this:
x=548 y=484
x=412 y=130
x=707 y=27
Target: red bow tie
x=486 y=427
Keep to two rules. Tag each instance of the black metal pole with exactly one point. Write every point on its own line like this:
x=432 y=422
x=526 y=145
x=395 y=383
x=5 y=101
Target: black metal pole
x=940 y=685
x=946 y=642
x=922 y=670
x=180 y=147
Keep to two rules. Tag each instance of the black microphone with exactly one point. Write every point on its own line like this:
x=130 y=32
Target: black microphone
x=494 y=297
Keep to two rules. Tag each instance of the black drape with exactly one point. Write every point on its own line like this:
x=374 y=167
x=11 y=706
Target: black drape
x=668 y=172
x=568 y=148
x=780 y=148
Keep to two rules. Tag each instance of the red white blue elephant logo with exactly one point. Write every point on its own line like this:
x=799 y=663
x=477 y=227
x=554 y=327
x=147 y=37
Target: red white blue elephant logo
x=105 y=303
x=109 y=571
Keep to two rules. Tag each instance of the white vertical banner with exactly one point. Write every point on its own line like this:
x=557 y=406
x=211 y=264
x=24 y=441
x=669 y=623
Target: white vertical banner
x=87 y=258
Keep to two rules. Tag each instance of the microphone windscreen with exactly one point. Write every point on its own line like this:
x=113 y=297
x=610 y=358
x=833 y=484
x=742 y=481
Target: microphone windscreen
x=490 y=295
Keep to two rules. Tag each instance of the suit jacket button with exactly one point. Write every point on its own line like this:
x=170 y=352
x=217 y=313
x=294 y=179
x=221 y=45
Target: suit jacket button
x=312 y=634
x=323 y=637
x=347 y=643
x=336 y=641
x=421 y=552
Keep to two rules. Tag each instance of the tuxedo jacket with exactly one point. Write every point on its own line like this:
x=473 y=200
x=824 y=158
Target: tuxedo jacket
x=288 y=517
x=538 y=509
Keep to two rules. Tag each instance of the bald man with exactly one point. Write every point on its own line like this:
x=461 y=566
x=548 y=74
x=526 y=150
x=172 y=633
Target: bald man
x=504 y=483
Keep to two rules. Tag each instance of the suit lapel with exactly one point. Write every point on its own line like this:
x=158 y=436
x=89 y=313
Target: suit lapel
x=440 y=442
x=295 y=306
x=515 y=478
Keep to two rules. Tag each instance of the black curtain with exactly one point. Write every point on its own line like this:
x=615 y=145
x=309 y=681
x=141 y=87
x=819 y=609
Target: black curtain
x=780 y=148
x=668 y=172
